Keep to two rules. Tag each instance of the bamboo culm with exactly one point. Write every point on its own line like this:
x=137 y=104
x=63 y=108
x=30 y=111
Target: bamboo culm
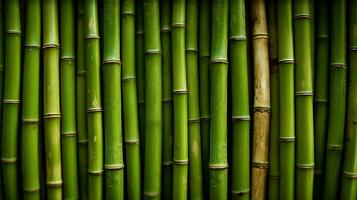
x=2 y=73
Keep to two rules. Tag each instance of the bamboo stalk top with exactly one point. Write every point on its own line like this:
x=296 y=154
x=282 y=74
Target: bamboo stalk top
x=353 y=26
x=50 y=22
x=237 y=20
x=204 y=30
x=12 y=18
x=285 y=34
x=178 y=13
x=165 y=20
x=128 y=8
x=260 y=24
x=67 y=29
x=191 y=26
x=111 y=31
x=91 y=15
x=33 y=24
x=152 y=16
x=338 y=32
x=219 y=46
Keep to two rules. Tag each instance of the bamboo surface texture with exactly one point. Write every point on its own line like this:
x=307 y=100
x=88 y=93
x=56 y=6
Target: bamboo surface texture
x=2 y=74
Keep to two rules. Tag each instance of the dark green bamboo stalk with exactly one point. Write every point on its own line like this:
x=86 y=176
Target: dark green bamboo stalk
x=30 y=106
x=130 y=106
x=68 y=101
x=312 y=39
x=81 y=105
x=194 y=138
x=337 y=107
x=204 y=58
x=153 y=100
x=349 y=171
x=240 y=101
x=304 y=101
x=273 y=173
x=321 y=94
x=218 y=163
x=114 y=165
x=167 y=112
x=286 y=101
x=2 y=73
x=51 y=102
x=94 y=105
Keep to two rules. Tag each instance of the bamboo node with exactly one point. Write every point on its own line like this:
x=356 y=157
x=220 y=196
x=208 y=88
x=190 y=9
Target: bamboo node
x=30 y=121
x=167 y=163
x=337 y=147
x=179 y=91
x=240 y=192
x=351 y=175
x=339 y=65
x=113 y=167
x=320 y=101
x=139 y=33
x=47 y=46
x=128 y=13
x=37 y=46
x=11 y=101
x=238 y=38
x=287 y=138
x=205 y=117
x=193 y=50
x=81 y=73
x=286 y=61
x=8 y=160
x=165 y=29
x=274 y=177
x=305 y=166
x=111 y=61
x=260 y=36
x=69 y=134
x=15 y=32
x=178 y=25
x=218 y=166
x=69 y=58
x=167 y=99
x=261 y=109
x=30 y=190
x=180 y=162
x=194 y=120
x=260 y=165
x=82 y=141
x=302 y=16
x=133 y=141
x=54 y=184
x=322 y=37
x=204 y=55
x=153 y=52
x=95 y=173
x=304 y=93
x=151 y=194
x=92 y=36
x=51 y=115
x=219 y=60
x=353 y=48
x=128 y=79
x=241 y=118
x=93 y=110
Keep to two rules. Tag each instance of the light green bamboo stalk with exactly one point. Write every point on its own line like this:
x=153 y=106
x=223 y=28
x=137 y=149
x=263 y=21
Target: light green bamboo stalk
x=304 y=101
x=131 y=122
x=114 y=165
x=194 y=138
x=336 y=120
x=218 y=163
x=51 y=103
x=321 y=94
x=167 y=108
x=30 y=106
x=94 y=105
x=81 y=105
x=68 y=101
x=2 y=73
x=286 y=89
x=240 y=102
x=153 y=100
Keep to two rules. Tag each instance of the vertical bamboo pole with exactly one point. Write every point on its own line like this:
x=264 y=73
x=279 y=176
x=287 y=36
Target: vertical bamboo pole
x=240 y=101
x=30 y=106
x=2 y=73
x=153 y=100
x=51 y=93
x=131 y=122
x=94 y=105
x=218 y=163
x=336 y=120
x=286 y=101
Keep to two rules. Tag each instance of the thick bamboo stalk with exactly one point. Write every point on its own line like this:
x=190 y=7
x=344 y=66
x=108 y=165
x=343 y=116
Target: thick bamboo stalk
x=30 y=106
x=114 y=164
x=81 y=105
x=337 y=107
x=240 y=102
x=304 y=101
x=167 y=107
x=130 y=106
x=51 y=103
x=349 y=171
x=2 y=73
x=274 y=172
x=261 y=105
x=68 y=101
x=286 y=101
x=218 y=163
x=94 y=105
x=153 y=101
x=321 y=94
x=194 y=138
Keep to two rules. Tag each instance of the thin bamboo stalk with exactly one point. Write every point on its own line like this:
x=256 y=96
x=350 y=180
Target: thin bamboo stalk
x=68 y=101
x=321 y=94
x=337 y=105
x=153 y=101
x=304 y=101
x=167 y=107
x=94 y=105
x=114 y=164
x=51 y=102
x=194 y=139
x=81 y=105
x=2 y=73
x=30 y=106
x=274 y=172
x=312 y=38
x=261 y=105
x=286 y=103
x=240 y=102
x=218 y=164
x=130 y=106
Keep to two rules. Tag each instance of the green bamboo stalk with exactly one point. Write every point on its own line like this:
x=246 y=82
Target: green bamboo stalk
x=68 y=101
x=337 y=107
x=349 y=171
x=167 y=112
x=240 y=101
x=81 y=105
x=304 y=101
x=131 y=123
x=274 y=172
x=312 y=39
x=114 y=165
x=30 y=106
x=2 y=73
x=286 y=103
x=218 y=164
x=153 y=100
x=194 y=149
x=204 y=58
x=321 y=94
x=51 y=102
x=94 y=105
